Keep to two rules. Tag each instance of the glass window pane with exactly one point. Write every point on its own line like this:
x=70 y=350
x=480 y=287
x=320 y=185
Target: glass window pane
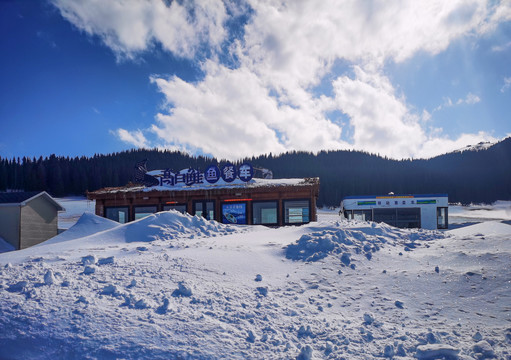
x=210 y=210
x=387 y=216
x=442 y=222
x=264 y=213
x=197 y=208
x=119 y=214
x=408 y=218
x=363 y=215
x=205 y=208
x=143 y=211
x=178 y=207
x=296 y=211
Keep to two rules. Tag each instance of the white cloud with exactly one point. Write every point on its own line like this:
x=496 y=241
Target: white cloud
x=500 y=48
x=381 y=120
x=507 y=84
x=135 y=138
x=294 y=43
x=470 y=99
x=267 y=103
x=439 y=144
x=231 y=114
x=129 y=27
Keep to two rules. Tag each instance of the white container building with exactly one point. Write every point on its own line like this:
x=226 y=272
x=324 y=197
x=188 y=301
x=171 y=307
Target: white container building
x=427 y=211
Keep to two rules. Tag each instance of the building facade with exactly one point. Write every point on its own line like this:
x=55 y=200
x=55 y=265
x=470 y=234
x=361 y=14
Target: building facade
x=429 y=211
x=241 y=199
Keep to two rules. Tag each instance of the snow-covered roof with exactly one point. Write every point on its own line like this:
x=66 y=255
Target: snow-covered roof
x=236 y=184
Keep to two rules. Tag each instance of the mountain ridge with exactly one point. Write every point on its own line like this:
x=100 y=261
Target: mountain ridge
x=481 y=176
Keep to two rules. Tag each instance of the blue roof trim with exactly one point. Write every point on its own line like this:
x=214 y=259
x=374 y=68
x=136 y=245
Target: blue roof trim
x=395 y=195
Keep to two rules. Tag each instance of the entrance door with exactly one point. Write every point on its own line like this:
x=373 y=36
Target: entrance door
x=206 y=209
x=441 y=218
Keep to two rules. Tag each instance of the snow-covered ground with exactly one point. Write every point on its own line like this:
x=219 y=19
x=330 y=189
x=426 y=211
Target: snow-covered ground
x=500 y=210
x=75 y=206
x=172 y=286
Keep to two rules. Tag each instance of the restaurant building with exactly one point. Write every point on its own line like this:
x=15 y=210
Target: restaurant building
x=228 y=194
x=428 y=211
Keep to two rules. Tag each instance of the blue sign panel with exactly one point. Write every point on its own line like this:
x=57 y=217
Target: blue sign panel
x=189 y=177
x=228 y=172
x=245 y=172
x=212 y=174
x=234 y=213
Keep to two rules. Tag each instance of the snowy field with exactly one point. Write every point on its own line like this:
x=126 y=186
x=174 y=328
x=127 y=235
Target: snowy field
x=75 y=206
x=172 y=286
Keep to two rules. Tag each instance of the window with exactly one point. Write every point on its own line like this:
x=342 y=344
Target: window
x=441 y=217
x=119 y=214
x=178 y=207
x=143 y=211
x=363 y=215
x=399 y=217
x=296 y=211
x=205 y=209
x=264 y=213
x=387 y=216
x=234 y=213
x=408 y=218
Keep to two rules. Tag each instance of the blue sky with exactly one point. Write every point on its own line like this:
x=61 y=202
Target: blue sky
x=242 y=78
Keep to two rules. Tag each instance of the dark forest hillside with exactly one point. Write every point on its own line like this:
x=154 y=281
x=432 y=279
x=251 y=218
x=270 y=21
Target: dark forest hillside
x=469 y=176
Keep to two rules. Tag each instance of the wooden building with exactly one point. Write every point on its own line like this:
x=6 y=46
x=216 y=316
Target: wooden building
x=28 y=218
x=271 y=202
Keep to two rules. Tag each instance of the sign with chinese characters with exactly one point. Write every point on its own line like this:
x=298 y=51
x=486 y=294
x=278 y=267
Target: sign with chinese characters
x=245 y=172
x=212 y=174
x=186 y=177
x=226 y=174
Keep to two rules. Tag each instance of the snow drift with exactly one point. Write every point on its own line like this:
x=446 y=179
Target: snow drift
x=177 y=286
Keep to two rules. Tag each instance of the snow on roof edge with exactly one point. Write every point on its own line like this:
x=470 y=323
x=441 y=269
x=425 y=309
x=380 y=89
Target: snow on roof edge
x=254 y=183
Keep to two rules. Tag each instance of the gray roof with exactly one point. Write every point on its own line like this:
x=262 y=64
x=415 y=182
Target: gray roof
x=20 y=198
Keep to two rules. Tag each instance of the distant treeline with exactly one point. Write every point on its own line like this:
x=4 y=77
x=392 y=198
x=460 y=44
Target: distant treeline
x=471 y=176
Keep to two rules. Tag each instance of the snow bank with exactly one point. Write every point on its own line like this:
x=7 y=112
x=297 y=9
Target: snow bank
x=365 y=240
x=74 y=206
x=174 y=286
x=499 y=210
x=87 y=224
x=165 y=225
x=5 y=246
x=486 y=228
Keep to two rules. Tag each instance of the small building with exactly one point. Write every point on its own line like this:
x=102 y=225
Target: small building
x=28 y=218
x=429 y=211
x=229 y=195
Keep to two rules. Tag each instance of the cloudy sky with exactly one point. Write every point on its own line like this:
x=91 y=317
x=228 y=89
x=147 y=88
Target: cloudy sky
x=239 y=78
